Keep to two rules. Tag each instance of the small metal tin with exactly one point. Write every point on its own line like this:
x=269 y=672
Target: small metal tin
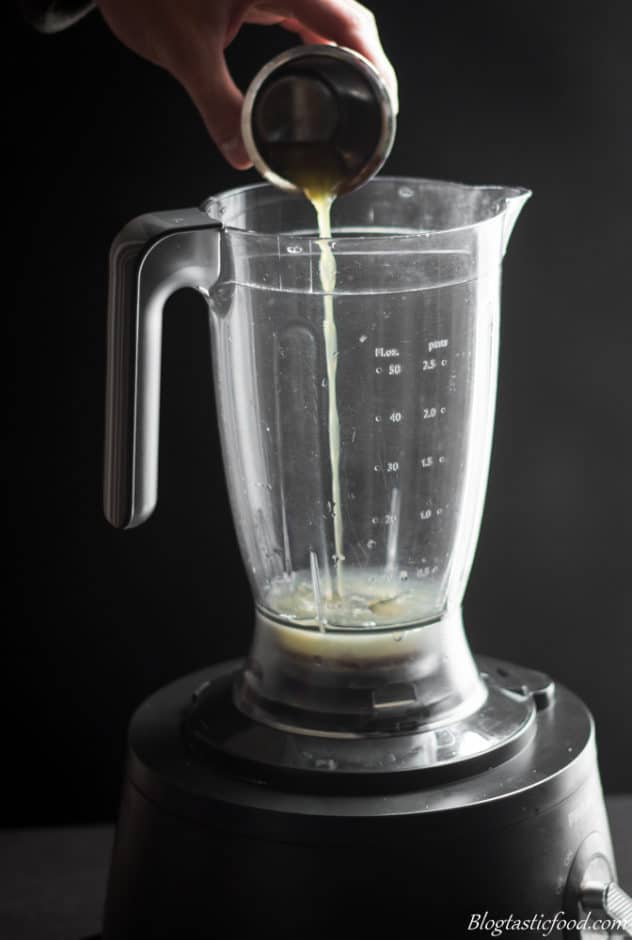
x=319 y=95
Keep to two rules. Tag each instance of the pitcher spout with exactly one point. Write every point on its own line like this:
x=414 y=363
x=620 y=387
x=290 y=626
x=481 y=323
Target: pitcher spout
x=471 y=206
x=515 y=198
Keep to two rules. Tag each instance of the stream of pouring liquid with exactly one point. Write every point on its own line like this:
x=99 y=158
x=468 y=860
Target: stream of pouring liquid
x=322 y=202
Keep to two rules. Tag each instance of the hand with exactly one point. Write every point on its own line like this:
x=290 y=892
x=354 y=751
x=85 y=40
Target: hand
x=188 y=38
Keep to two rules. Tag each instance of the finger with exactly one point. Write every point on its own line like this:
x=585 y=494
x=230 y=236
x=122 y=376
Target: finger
x=219 y=101
x=307 y=35
x=262 y=17
x=347 y=23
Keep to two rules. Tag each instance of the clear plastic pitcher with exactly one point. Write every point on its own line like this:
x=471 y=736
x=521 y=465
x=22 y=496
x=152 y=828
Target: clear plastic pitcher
x=357 y=506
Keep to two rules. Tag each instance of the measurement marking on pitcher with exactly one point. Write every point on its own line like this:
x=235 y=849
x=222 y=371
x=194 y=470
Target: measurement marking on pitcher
x=429 y=512
x=387 y=519
x=391 y=466
x=434 y=411
x=431 y=460
x=426 y=571
x=429 y=365
x=394 y=368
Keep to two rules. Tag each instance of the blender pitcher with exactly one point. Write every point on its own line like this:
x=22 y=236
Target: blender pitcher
x=357 y=543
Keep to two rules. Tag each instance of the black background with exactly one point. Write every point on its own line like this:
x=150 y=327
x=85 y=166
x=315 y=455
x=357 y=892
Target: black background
x=536 y=94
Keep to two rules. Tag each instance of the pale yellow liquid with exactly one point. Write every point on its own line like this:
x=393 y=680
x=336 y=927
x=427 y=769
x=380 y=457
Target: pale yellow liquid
x=372 y=599
x=319 y=173
x=327 y=269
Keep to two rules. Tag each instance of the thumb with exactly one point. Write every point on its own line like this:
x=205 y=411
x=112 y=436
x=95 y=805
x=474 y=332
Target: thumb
x=219 y=102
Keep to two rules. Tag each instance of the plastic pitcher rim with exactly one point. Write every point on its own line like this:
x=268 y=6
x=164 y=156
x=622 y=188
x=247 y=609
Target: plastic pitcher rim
x=511 y=195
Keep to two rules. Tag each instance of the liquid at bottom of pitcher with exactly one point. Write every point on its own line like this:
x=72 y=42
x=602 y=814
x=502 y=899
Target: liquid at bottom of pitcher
x=372 y=599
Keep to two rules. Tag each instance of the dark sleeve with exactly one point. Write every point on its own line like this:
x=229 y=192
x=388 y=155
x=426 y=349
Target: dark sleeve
x=50 y=16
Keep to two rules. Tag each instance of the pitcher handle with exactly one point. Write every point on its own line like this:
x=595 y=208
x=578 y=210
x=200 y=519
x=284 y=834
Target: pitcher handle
x=153 y=256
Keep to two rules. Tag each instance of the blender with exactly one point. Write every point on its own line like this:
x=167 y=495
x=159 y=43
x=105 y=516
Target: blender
x=360 y=771
x=360 y=745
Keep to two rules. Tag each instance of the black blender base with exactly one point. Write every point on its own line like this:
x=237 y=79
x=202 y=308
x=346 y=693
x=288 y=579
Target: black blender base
x=202 y=852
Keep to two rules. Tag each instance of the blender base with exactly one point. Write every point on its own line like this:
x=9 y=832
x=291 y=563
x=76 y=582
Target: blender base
x=204 y=849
